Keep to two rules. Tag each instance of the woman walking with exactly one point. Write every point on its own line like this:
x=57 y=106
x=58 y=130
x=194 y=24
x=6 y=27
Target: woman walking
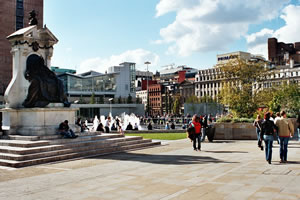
x=267 y=134
x=196 y=124
x=257 y=124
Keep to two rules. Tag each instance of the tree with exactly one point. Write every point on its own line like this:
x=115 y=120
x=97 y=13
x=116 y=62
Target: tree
x=92 y=101
x=237 y=93
x=286 y=97
x=101 y=99
x=176 y=106
x=129 y=99
x=192 y=99
x=119 y=100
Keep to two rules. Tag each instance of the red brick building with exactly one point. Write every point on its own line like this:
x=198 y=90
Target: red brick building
x=280 y=53
x=155 y=99
x=14 y=15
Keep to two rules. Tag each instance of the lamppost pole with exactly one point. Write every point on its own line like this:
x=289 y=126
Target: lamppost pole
x=110 y=105
x=147 y=63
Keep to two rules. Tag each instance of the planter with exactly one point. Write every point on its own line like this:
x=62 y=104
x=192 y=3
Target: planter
x=235 y=131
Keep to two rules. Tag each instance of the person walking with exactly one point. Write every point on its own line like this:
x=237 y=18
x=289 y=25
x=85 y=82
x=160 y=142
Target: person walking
x=204 y=127
x=285 y=131
x=257 y=123
x=267 y=134
x=298 y=126
x=196 y=124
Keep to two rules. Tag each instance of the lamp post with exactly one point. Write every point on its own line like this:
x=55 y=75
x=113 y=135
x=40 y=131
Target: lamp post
x=110 y=105
x=147 y=63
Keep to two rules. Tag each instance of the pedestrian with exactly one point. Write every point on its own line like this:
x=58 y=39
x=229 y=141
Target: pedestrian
x=275 y=120
x=267 y=134
x=257 y=123
x=298 y=126
x=204 y=127
x=196 y=124
x=285 y=131
x=107 y=124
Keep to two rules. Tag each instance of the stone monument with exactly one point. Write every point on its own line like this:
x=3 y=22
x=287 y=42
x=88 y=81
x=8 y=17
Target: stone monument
x=35 y=100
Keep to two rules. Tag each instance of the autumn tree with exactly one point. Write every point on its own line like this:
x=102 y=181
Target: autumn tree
x=237 y=93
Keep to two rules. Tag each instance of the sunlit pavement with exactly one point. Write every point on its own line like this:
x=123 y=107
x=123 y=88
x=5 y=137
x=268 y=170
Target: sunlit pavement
x=222 y=170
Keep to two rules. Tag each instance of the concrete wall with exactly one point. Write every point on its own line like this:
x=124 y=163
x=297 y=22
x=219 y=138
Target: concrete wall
x=234 y=131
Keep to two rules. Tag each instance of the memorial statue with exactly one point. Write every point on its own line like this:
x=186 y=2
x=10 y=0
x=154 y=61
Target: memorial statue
x=32 y=18
x=44 y=86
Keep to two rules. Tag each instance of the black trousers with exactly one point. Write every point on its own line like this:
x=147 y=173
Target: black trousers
x=197 y=137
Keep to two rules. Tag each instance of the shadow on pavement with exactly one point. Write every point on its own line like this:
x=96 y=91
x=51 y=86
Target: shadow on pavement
x=227 y=151
x=163 y=159
x=223 y=141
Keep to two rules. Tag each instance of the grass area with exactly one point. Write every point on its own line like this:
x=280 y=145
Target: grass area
x=159 y=136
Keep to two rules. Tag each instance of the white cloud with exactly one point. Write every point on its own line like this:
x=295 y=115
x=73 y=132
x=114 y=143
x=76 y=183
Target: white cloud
x=138 y=56
x=289 y=33
x=210 y=25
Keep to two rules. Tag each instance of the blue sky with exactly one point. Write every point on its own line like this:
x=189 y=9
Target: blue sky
x=95 y=34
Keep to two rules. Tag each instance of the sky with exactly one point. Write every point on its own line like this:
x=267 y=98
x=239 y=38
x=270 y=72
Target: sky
x=97 y=34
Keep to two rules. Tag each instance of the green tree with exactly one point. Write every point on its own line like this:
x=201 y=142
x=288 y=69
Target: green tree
x=237 y=93
x=192 y=99
x=176 y=106
x=92 y=101
x=286 y=97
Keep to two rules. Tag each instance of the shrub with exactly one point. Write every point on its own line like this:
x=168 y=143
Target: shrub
x=235 y=120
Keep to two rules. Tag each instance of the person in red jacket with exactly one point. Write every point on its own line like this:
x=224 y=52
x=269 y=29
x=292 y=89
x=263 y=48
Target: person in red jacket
x=196 y=124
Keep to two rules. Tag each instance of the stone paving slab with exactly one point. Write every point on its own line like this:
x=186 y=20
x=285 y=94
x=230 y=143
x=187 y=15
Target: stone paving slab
x=222 y=170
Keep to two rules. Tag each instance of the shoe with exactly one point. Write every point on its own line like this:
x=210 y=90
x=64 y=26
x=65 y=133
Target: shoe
x=269 y=161
x=281 y=161
x=195 y=149
x=76 y=136
x=199 y=149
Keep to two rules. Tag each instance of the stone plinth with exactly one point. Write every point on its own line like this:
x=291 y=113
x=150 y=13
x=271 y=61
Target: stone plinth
x=36 y=121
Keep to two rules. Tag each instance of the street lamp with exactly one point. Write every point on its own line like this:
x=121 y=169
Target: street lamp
x=147 y=63
x=110 y=105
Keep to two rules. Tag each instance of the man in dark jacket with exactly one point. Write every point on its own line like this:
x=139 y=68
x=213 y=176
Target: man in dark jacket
x=65 y=130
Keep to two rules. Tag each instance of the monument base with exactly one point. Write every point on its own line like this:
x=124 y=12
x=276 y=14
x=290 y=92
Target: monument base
x=37 y=121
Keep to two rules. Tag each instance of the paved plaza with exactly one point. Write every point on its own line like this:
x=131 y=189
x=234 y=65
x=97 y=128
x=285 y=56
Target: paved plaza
x=222 y=170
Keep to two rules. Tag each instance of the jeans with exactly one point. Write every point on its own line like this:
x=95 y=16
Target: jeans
x=258 y=134
x=298 y=134
x=68 y=134
x=268 y=146
x=203 y=134
x=283 y=141
x=197 y=137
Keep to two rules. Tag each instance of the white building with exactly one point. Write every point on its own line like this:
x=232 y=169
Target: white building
x=142 y=94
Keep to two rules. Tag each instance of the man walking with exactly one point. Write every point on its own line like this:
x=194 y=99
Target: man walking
x=285 y=131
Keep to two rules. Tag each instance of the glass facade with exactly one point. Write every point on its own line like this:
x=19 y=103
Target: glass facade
x=106 y=83
x=132 y=77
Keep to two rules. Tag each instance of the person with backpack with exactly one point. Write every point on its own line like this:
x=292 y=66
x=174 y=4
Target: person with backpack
x=197 y=132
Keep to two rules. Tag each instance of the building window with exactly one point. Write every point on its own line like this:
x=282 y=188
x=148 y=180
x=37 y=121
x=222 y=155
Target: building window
x=19 y=14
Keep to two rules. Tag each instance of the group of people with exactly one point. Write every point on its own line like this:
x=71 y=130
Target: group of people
x=268 y=129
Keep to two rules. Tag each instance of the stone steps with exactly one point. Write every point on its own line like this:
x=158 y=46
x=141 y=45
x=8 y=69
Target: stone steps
x=22 y=153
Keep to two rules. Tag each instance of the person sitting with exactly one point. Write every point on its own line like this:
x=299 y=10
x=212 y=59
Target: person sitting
x=149 y=126
x=167 y=127
x=129 y=127
x=113 y=127
x=136 y=128
x=172 y=125
x=65 y=130
x=100 y=128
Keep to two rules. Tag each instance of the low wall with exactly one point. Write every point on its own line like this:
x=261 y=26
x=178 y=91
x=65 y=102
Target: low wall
x=234 y=131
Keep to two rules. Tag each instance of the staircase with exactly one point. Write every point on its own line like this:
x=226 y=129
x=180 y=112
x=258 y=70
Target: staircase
x=21 y=151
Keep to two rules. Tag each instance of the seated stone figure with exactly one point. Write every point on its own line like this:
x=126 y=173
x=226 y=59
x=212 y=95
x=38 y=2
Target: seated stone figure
x=44 y=86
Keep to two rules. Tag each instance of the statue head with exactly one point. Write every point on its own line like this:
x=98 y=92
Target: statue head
x=34 y=64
